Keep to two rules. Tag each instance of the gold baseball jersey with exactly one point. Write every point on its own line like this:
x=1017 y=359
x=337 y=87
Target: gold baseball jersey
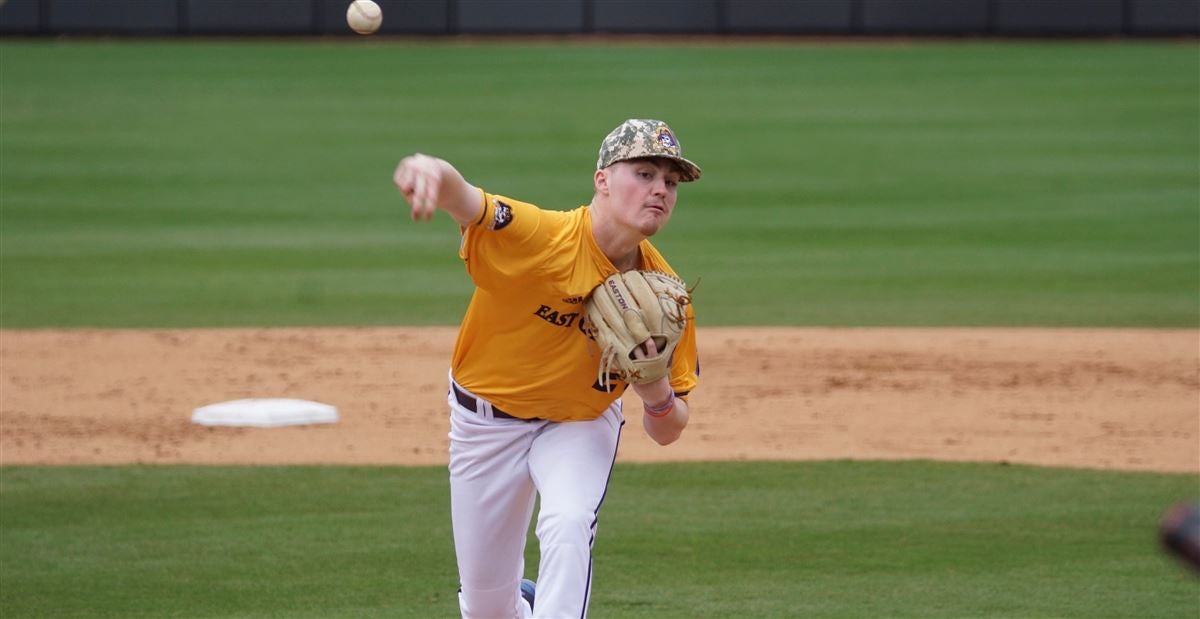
x=522 y=344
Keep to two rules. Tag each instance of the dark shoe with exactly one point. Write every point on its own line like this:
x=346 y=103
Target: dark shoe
x=528 y=587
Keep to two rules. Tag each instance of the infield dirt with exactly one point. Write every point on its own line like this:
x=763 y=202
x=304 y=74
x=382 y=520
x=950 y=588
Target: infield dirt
x=1109 y=399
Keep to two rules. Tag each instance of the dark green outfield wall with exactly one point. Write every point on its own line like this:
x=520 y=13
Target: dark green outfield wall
x=944 y=17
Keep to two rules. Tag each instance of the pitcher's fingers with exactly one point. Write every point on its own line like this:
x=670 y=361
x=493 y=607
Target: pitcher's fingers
x=420 y=199
x=403 y=177
x=646 y=350
x=433 y=186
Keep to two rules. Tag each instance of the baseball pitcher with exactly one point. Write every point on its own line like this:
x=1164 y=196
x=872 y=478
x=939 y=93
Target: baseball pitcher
x=569 y=309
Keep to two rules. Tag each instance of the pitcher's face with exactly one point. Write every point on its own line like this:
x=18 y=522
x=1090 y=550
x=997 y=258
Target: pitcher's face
x=641 y=192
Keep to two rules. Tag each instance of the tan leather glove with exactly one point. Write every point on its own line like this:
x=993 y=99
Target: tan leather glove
x=630 y=308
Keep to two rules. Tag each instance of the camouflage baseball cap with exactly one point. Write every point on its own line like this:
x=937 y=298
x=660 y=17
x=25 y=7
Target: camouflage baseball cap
x=641 y=137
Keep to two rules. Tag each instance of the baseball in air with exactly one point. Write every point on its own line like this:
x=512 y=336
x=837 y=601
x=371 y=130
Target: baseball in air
x=364 y=16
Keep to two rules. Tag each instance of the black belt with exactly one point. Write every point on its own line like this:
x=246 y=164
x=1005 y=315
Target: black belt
x=466 y=401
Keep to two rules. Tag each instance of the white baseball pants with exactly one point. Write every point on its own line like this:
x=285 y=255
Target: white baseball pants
x=497 y=466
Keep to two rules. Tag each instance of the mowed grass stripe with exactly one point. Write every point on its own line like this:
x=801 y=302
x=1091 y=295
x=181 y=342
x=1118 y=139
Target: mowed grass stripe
x=875 y=184
x=816 y=539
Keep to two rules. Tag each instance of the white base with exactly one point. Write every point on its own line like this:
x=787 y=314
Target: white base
x=264 y=413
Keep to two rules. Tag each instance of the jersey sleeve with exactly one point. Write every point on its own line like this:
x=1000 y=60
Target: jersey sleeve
x=685 y=365
x=502 y=246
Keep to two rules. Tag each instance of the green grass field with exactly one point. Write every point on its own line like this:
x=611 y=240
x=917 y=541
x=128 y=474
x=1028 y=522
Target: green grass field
x=218 y=183
x=184 y=184
x=834 y=539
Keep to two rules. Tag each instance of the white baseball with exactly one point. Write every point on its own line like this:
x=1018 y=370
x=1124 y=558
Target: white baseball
x=364 y=16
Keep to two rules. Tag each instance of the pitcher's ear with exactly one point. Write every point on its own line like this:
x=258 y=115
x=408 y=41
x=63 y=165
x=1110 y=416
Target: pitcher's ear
x=600 y=181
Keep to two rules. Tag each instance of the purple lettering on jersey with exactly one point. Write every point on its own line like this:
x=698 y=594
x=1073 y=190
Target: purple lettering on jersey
x=552 y=316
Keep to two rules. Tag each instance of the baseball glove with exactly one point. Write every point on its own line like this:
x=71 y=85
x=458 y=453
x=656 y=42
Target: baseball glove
x=630 y=308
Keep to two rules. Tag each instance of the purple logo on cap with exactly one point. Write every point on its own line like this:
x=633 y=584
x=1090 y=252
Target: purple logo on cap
x=666 y=139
